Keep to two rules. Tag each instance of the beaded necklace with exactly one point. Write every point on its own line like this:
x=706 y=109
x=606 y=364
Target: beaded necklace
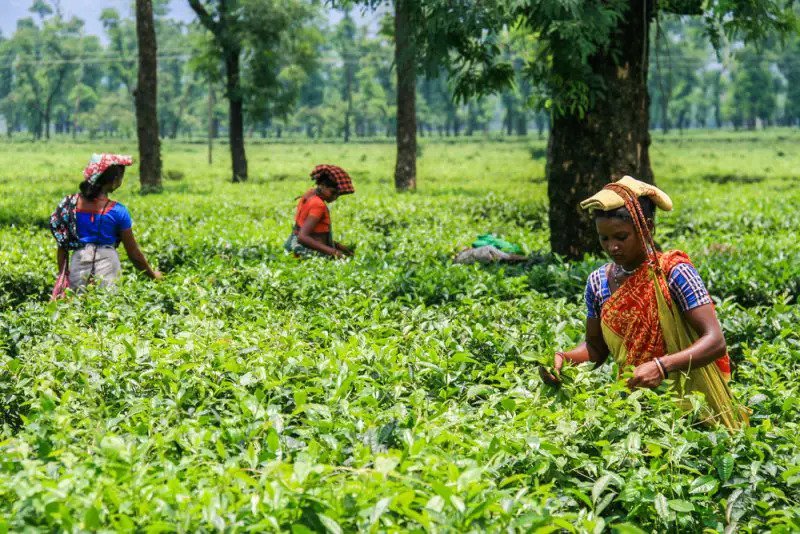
x=620 y=271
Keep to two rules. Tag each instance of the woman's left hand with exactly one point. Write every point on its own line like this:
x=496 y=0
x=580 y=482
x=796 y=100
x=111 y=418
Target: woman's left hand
x=645 y=375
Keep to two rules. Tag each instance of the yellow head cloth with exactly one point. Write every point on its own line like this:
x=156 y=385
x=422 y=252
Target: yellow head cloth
x=606 y=199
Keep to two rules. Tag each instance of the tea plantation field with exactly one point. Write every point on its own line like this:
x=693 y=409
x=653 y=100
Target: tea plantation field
x=251 y=392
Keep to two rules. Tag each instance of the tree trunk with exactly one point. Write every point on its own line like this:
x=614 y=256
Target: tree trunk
x=472 y=122
x=48 y=107
x=405 y=173
x=348 y=93
x=211 y=123
x=146 y=98
x=176 y=123
x=522 y=124
x=664 y=90
x=236 y=120
x=75 y=113
x=608 y=142
x=541 y=120
x=508 y=121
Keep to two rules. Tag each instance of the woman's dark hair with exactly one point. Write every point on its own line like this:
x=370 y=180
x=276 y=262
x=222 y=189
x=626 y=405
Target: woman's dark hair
x=325 y=179
x=648 y=208
x=91 y=191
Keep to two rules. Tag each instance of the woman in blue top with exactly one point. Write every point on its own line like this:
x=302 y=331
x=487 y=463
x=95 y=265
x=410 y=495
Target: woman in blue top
x=98 y=224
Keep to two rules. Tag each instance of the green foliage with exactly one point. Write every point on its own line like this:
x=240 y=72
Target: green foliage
x=282 y=44
x=569 y=37
x=274 y=42
x=395 y=391
x=41 y=55
x=752 y=96
x=680 y=64
x=295 y=86
x=789 y=64
x=121 y=33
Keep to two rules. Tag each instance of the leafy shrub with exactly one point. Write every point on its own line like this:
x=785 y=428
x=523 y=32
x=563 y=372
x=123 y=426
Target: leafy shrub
x=173 y=174
x=395 y=391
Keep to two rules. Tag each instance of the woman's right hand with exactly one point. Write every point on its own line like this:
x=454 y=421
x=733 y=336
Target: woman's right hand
x=157 y=275
x=343 y=249
x=552 y=377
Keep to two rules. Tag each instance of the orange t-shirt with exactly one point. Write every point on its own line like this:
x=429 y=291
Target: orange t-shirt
x=311 y=204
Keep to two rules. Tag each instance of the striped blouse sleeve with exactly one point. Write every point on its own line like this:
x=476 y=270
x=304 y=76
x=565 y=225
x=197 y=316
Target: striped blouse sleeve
x=593 y=295
x=687 y=288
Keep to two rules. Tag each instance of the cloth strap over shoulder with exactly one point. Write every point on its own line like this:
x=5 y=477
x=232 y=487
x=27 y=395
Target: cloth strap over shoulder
x=63 y=223
x=721 y=406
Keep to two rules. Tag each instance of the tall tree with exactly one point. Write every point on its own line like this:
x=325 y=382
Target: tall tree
x=121 y=34
x=515 y=99
x=268 y=30
x=425 y=34
x=590 y=64
x=611 y=137
x=753 y=90
x=46 y=60
x=679 y=55
x=7 y=104
x=146 y=96
x=283 y=49
x=405 y=173
x=789 y=64
x=716 y=85
x=345 y=44
x=177 y=84
x=224 y=24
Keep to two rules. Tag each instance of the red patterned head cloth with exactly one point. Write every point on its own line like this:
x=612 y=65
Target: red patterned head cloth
x=337 y=175
x=100 y=162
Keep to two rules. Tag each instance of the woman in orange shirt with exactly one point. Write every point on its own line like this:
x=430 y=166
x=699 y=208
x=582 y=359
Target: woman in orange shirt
x=312 y=221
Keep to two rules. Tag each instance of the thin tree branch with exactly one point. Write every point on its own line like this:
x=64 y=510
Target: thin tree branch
x=207 y=20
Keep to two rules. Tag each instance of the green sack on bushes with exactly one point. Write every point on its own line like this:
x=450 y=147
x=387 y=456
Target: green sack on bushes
x=491 y=239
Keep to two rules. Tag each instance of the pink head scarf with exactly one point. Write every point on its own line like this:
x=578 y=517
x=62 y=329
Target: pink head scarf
x=100 y=162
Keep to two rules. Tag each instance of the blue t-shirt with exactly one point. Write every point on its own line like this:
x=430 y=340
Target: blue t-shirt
x=685 y=286
x=103 y=228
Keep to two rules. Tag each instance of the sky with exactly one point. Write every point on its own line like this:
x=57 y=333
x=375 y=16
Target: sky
x=88 y=10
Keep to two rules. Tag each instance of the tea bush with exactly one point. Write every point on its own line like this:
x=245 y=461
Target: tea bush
x=250 y=391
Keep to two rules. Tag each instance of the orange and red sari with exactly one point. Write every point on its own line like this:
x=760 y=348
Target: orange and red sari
x=640 y=322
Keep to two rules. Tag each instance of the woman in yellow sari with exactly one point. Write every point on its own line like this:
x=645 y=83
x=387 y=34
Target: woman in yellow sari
x=650 y=310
